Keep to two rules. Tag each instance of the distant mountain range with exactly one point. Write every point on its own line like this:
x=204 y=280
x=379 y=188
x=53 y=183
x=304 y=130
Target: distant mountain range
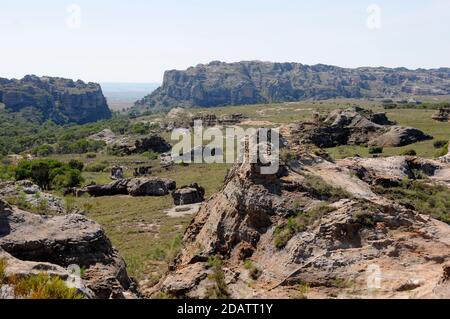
x=254 y=82
x=57 y=99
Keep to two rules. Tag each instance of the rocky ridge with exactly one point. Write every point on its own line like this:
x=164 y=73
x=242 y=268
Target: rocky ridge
x=314 y=230
x=57 y=99
x=254 y=82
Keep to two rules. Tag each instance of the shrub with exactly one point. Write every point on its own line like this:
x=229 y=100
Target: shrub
x=2 y=271
x=287 y=155
x=376 y=150
x=443 y=151
x=219 y=289
x=43 y=150
x=48 y=173
x=409 y=153
x=75 y=164
x=43 y=286
x=298 y=223
x=97 y=167
x=151 y=155
x=440 y=144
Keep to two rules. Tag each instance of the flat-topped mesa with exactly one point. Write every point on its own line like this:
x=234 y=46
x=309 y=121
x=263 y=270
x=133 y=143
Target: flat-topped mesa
x=254 y=82
x=57 y=99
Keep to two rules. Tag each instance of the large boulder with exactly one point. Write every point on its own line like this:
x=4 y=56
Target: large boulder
x=51 y=244
x=151 y=186
x=188 y=195
x=400 y=136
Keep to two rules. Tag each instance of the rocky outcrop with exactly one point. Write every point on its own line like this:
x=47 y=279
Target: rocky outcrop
x=398 y=136
x=57 y=99
x=152 y=186
x=312 y=224
x=442 y=115
x=253 y=82
x=153 y=143
x=32 y=195
x=188 y=195
x=357 y=126
x=33 y=244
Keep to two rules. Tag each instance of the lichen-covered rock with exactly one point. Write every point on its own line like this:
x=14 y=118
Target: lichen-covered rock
x=60 y=100
x=187 y=195
x=34 y=243
x=398 y=136
x=145 y=186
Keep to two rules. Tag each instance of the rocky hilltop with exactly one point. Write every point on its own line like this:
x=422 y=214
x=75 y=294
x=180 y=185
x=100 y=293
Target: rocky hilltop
x=60 y=100
x=253 y=82
x=316 y=229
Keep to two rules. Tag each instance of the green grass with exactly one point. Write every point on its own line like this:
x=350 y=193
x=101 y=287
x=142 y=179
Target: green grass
x=426 y=198
x=139 y=228
x=41 y=286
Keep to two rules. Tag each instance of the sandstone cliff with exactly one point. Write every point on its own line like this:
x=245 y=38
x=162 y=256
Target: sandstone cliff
x=57 y=99
x=253 y=82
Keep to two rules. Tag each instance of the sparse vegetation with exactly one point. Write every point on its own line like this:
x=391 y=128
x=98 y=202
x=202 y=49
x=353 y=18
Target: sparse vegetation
x=219 y=289
x=324 y=190
x=41 y=286
x=443 y=151
x=410 y=152
x=375 y=150
x=425 y=197
x=297 y=224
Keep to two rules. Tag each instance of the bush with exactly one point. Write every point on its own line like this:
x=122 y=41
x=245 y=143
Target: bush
x=443 y=151
x=376 y=150
x=43 y=150
x=219 y=289
x=151 y=155
x=49 y=173
x=43 y=286
x=77 y=165
x=97 y=167
x=297 y=224
x=409 y=153
x=287 y=155
x=440 y=144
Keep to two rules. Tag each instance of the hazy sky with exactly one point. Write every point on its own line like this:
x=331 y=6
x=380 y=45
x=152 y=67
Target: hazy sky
x=137 y=40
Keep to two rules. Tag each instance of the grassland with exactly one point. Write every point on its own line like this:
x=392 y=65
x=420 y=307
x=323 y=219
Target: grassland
x=139 y=227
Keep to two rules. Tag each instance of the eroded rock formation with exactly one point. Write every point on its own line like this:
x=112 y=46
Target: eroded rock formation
x=31 y=244
x=357 y=126
x=151 y=186
x=57 y=99
x=253 y=82
x=314 y=224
